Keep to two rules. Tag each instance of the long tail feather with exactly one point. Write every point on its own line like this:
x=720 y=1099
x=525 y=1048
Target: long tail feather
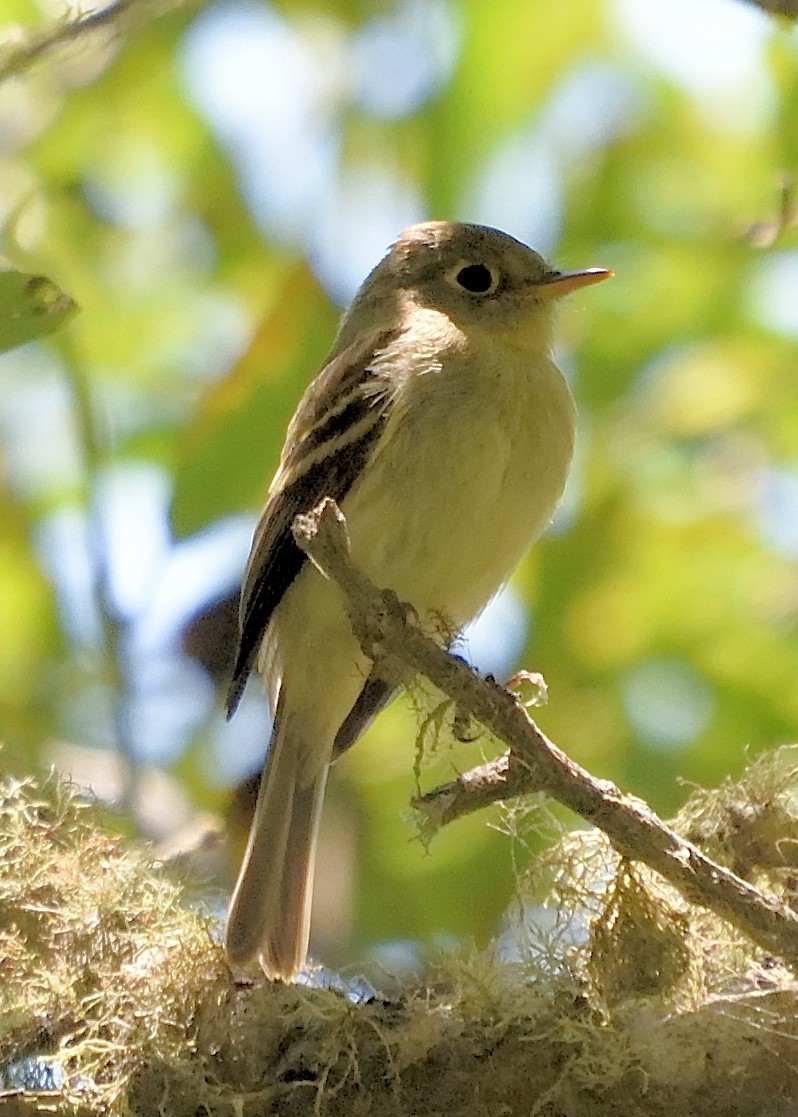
x=269 y=918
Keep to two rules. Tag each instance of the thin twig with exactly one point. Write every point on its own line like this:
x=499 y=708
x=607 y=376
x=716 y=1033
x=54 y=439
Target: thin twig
x=533 y=763
x=113 y=625
x=15 y=58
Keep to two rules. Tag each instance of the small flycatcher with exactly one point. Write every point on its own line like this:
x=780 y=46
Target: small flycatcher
x=444 y=431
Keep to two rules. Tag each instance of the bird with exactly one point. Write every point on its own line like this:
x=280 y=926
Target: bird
x=443 y=429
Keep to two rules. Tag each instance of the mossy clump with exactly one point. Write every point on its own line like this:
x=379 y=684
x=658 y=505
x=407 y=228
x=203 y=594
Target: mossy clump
x=631 y=1002
x=98 y=957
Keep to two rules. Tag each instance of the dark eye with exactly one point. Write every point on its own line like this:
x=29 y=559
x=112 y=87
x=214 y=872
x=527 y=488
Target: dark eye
x=475 y=278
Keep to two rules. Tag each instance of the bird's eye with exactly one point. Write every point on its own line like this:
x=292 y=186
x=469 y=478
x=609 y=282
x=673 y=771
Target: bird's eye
x=476 y=278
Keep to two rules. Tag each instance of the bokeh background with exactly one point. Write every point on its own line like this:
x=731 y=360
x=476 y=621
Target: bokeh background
x=210 y=182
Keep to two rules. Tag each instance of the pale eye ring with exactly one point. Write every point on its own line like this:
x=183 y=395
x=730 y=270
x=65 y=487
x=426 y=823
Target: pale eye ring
x=476 y=278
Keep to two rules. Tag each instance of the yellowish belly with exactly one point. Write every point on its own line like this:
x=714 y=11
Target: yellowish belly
x=452 y=502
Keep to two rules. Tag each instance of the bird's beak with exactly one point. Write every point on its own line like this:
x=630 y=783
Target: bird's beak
x=559 y=283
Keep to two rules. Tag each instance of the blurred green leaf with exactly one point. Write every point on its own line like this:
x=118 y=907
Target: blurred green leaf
x=31 y=307
x=31 y=635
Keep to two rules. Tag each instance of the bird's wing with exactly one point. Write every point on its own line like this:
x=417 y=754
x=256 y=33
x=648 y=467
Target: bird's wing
x=328 y=441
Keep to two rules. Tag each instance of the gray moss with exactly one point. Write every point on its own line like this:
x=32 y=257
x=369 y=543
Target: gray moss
x=640 y=1004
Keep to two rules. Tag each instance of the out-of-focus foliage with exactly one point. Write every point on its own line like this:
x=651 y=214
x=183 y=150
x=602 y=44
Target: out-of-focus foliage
x=208 y=186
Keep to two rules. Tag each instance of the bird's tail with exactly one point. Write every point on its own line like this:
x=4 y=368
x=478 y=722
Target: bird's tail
x=269 y=919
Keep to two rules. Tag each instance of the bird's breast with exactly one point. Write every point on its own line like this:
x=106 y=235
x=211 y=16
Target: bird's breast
x=466 y=475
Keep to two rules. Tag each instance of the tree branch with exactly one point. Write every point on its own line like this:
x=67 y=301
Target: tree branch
x=117 y=16
x=532 y=763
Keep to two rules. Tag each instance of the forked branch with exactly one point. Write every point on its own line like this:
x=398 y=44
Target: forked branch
x=532 y=762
